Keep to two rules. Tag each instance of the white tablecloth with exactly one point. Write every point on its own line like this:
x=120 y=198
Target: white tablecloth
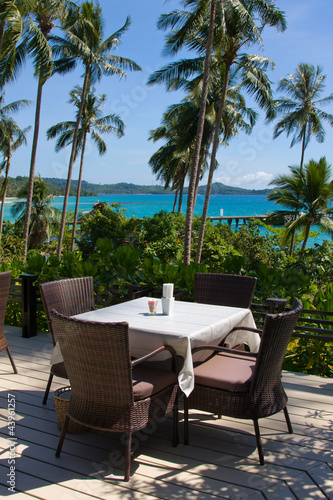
x=191 y=324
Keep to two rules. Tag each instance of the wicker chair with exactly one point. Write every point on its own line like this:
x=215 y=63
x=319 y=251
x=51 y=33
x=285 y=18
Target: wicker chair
x=69 y=297
x=109 y=391
x=246 y=385
x=224 y=289
x=4 y=292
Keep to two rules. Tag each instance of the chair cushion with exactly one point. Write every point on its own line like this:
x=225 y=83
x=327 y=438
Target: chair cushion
x=232 y=372
x=148 y=381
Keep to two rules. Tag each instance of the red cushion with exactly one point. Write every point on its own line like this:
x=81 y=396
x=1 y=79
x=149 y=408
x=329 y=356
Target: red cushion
x=148 y=381
x=232 y=372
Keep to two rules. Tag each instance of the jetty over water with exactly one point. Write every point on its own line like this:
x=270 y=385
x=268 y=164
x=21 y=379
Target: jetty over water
x=238 y=218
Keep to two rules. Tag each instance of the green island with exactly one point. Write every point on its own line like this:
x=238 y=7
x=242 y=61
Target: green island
x=57 y=187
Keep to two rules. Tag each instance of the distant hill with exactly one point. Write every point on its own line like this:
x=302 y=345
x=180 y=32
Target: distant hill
x=57 y=187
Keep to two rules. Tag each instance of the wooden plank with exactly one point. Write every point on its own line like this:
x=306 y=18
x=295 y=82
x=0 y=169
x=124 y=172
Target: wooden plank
x=17 y=495
x=303 y=487
x=278 y=492
x=323 y=477
x=149 y=483
x=220 y=462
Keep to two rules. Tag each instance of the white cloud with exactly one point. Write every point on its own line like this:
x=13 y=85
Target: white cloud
x=257 y=180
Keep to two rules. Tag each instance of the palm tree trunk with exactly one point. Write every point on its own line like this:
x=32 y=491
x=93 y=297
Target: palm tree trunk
x=198 y=140
x=5 y=184
x=306 y=236
x=32 y=167
x=71 y=163
x=181 y=192
x=303 y=150
x=175 y=201
x=78 y=192
x=212 y=164
x=2 y=31
x=292 y=241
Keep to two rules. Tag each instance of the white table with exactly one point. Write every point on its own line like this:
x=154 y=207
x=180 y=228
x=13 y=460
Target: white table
x=191 y=324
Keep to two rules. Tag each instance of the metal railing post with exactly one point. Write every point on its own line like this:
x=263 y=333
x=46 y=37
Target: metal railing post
x=29 y=306
x=276 y=305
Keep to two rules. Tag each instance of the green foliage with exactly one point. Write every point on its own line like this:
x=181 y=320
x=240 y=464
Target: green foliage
x=288 y=284
x=251 y=244
x=103 y=222
x=163 y=236
x=115 y=268
x=155 y=273
x=216 y=245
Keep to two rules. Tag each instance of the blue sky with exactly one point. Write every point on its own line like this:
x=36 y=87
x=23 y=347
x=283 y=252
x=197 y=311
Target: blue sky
x=249 y=161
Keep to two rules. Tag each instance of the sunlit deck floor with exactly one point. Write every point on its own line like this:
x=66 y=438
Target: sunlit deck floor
x=220 y=462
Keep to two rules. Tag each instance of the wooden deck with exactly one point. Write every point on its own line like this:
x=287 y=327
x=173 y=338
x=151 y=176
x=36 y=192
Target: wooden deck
x=220 y=462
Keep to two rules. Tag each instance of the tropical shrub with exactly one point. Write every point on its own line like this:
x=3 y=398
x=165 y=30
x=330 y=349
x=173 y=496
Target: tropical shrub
x=163 y=236
x=103 y=222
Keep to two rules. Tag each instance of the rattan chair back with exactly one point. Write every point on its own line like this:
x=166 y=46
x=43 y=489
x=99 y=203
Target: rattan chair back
x=266 y=382
x=5 y=278
x=98 y=364
x=224 y=289
x=4 y=292
x=69 y=297
x=265 y=395
x=101 y=374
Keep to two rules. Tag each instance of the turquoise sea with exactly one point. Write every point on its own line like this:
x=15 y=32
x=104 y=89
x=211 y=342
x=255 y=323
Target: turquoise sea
x=147 y=205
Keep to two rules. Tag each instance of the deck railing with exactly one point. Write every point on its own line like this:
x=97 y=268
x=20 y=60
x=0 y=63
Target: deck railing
x=312 y=324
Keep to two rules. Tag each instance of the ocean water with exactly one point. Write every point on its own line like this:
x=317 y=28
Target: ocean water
x=147 y=205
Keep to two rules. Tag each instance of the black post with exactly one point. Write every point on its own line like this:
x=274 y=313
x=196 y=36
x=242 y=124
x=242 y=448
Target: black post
x=29 y=306
x=276 y=305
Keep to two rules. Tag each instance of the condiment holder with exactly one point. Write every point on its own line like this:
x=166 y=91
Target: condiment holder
x=167 y=299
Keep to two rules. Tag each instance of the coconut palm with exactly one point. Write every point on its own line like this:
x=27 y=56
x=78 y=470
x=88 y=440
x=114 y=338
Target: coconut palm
x=308 y=190
x=11 y=22
x=236 y=116
x=13 y=15
x=7 y=109
x=235 y=24
x=44 y=218
x=36 y=40
x=13 y=137
x=302 y=109
x=93 y=123
x=172 y=161
x=84 y=43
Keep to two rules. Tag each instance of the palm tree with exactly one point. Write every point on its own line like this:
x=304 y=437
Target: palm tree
x=187 y=25
x=172 y=161
x=92 y=123
x=13 y=138
x=84 y=43
x=36 y=40
x=308 y=191
x=233 y=26
x=11 y=14
x=43 y=216
x=304 y=116
x=7 y=109
x=236 y=116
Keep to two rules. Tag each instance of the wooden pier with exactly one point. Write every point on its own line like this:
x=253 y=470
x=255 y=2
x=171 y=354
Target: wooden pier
x=237 y=218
